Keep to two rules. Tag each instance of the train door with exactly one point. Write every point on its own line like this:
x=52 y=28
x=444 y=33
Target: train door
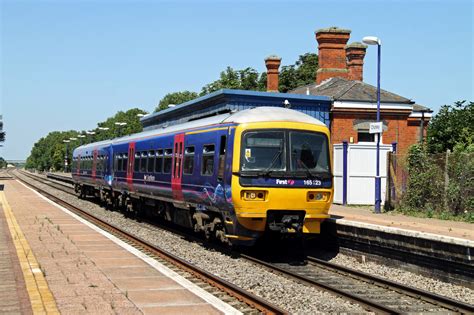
x=94 y=164
x=131 y=161
x=177 y=167
x=221 y=160
x=78 y=167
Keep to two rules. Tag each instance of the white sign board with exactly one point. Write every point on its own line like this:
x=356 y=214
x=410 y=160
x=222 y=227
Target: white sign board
x=375 y=127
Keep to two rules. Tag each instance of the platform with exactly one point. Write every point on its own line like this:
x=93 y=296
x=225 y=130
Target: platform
x=69 y=266
x=393 y=221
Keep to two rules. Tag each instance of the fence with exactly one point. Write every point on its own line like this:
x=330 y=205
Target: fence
x=431 y=182
x=354 y=172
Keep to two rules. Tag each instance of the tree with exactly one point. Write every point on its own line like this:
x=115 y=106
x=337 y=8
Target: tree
x=303 y=72
x=3 y=163
x=246 y=79
x=48 y=153
x=175 y=98
x=452 y=127
x=130 y=117
x=2 y=133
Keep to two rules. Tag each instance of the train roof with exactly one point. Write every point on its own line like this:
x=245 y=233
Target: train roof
x=257 y=114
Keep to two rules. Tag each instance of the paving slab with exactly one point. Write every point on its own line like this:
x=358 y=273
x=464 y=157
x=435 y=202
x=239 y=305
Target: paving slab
x=445 y=228
x=89 y=271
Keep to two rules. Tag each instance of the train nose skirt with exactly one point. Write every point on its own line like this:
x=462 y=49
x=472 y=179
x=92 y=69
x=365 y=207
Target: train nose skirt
x=285 y=221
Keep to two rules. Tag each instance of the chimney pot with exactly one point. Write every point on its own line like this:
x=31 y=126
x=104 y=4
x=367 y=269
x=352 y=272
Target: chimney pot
x=332 y=57
x=355 y=53
x=272 y=63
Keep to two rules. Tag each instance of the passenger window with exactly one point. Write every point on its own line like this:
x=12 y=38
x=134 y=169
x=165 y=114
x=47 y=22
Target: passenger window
x=208 y=160
x=151 y=161
x=118 y=162
x=136 y=166
x=188 y=163
x=222 y=148
x=124 y=162
x=159 y=161
x=167 y=161
x=143 y=160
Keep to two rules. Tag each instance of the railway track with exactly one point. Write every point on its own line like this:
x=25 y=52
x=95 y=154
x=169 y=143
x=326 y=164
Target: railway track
x=374 y=293
x=240 y=299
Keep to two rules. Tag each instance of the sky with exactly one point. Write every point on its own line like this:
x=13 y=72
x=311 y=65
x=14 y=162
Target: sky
x=71 y=64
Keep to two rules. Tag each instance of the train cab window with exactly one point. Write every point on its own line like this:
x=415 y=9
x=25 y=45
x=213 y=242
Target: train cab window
x=124 y=162
x=222 y=148
x=136 y=166
x=167 y=161
x=151 y=161
x=263 y=151
x=207 y=168
x=309 y=152
x=143 y=160
x=159 y=161
x=188 y=163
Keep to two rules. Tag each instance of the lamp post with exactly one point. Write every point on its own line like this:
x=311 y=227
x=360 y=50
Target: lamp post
x=372 y=40
x=82 y=138
x=66 y=157
x=90 y=133
x=119 y=125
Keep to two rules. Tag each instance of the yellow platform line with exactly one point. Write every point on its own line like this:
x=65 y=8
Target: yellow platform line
x=41 y=298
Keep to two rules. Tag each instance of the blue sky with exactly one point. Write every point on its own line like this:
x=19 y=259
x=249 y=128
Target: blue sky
x=70 y=64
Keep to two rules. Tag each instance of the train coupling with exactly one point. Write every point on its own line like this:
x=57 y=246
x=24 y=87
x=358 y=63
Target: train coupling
x=285 y=221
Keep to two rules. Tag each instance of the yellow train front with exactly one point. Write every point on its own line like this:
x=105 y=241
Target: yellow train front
x=281 y=176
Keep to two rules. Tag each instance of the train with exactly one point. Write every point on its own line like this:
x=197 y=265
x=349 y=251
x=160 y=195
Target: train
x=235 y=176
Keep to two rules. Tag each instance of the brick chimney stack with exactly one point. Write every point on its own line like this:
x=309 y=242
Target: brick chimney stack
x=332 y=56
x=355 y=53
x=272 y=63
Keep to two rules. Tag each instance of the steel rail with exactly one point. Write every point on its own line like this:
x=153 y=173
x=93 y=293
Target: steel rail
x=371 y=305
x=60 y=178
x=422 y=295
x=454 y=305
x=240 y=294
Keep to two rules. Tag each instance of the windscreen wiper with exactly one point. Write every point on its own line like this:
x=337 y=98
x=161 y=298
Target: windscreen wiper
x=321 y=175
x=268 y=170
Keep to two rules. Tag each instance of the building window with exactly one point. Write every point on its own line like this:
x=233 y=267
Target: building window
x=365 y=136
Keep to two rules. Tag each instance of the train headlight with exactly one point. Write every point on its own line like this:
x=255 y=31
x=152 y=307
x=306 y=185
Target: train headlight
x=254 y=195
x=317 y=196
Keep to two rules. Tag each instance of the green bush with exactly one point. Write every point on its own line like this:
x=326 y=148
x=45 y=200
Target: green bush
x=435 y=189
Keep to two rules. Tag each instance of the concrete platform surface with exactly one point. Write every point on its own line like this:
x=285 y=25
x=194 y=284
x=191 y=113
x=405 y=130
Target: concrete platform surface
x=85 y=269
x=443 y=228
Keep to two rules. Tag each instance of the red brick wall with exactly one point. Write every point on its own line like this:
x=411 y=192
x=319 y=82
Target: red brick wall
x=400 y=129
